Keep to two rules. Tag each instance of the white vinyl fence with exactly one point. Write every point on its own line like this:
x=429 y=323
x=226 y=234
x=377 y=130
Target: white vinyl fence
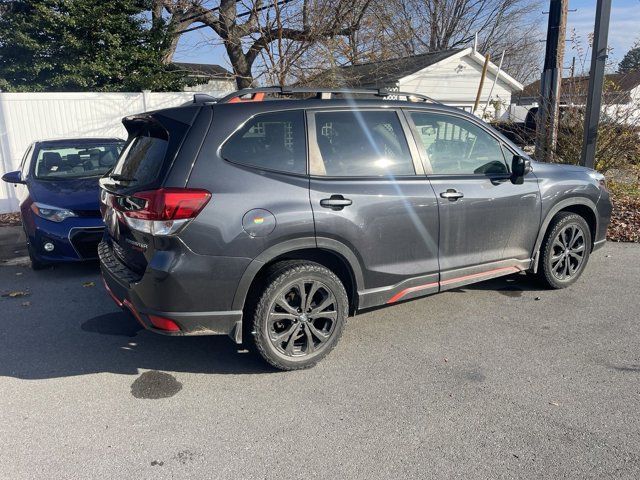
x=27 y=117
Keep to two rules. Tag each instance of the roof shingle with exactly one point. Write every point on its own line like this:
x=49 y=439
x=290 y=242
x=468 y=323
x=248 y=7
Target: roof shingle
x=204 y=69
x=380 y=74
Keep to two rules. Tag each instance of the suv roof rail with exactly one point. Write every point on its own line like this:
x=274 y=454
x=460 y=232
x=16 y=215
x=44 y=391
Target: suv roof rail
x=258 y=94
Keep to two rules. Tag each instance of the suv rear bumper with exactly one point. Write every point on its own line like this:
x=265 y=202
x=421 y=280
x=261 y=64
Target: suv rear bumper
x=122 y=284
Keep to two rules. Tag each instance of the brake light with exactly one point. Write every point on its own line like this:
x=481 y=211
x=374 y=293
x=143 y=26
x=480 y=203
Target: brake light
x=170 y=204
x=164 y=211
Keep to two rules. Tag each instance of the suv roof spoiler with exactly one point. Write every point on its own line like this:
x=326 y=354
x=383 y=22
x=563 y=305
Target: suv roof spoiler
x=258 y=94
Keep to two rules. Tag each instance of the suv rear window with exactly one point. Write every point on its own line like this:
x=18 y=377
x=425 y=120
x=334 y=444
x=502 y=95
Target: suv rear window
x=152 y=144
x=142 y=159
x=273 y=141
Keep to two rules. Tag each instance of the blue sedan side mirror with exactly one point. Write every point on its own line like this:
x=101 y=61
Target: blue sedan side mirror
x=13 y=177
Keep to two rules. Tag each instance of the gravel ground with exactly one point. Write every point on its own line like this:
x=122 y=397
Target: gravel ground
x=496 y=380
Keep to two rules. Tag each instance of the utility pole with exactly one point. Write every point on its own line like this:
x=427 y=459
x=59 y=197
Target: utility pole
x=487 y=58
x=596 y=79
x=548 y=106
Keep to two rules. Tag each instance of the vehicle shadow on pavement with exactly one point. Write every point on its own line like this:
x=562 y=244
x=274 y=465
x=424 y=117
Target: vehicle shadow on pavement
x=68 y=326
x=510 y=286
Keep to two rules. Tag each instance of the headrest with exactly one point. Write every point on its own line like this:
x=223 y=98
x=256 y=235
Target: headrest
x=107 y=159
x=94 y=153
x=73 y=159
x=51 y=159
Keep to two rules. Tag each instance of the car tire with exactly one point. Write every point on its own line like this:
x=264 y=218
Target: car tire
x=565 y=250
x=291 y=330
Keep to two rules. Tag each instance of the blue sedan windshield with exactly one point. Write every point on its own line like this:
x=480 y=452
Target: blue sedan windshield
x=58 y=162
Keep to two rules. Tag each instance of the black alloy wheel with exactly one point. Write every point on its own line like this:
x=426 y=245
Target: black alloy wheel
x=568 y=252
x=565 y=250
x=300 y=315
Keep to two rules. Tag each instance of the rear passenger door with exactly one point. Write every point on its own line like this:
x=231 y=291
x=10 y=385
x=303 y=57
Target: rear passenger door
x=369 y=194
x=488 y=225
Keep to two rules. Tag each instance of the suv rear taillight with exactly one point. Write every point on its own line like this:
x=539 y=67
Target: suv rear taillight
x=164 y=211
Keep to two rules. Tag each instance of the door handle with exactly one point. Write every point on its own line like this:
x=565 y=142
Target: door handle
x=452 y=194
x=335 y=202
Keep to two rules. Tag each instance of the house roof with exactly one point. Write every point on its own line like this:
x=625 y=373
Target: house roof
x=383 y=73
x=205 y=70
x=387 y=73
x=617 y=87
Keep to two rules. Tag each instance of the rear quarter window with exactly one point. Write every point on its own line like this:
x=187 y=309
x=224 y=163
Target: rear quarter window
x=271 y=141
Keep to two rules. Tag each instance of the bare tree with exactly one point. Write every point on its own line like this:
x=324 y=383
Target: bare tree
x=395 y=28
x=248 y=29
x=169 y=17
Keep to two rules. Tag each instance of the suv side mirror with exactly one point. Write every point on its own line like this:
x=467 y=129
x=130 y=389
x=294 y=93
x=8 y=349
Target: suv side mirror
x=13 y=177
x=520 y=166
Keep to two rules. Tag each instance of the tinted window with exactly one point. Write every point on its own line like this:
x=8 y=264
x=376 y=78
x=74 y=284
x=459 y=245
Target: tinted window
x=152 y=146
x=62 y=161
x=24 y=163
x=274 y=141
x=142 y=159
x=360 y=143
x=457 y=146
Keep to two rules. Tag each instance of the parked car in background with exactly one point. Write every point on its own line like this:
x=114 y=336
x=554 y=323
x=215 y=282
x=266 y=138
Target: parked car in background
x=523 y=134
x=274 y=220
x=57 y=186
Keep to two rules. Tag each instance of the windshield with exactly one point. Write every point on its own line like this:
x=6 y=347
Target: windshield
x=65 y=161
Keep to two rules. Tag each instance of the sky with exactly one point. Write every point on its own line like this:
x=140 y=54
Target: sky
x=624 y=26
x=201 y=46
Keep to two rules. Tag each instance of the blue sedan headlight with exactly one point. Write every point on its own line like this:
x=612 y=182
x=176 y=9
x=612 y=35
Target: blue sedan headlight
x=48 y=212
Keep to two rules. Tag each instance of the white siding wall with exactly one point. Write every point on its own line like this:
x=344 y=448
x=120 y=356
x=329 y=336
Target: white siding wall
x=215 y=85
x=27 y=117
x=455 y=82
x=628 y=113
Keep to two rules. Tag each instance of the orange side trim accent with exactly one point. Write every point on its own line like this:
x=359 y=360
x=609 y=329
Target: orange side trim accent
x=406 y=291
x=133 y=310
x=111 y=294
x=417 y=288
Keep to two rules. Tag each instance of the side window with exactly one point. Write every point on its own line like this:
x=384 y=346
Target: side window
x=359 y=144
x=24 y=163
x=457 y=146
x=274 y=141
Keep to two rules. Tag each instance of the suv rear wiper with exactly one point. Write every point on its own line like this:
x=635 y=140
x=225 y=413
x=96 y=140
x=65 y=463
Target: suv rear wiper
x=121 y=178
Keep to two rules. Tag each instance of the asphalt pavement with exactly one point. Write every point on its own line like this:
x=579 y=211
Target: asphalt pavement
x=495 y=380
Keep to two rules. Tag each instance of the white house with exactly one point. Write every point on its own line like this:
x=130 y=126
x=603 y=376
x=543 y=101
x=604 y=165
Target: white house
x=207 y=77
x=449 y=76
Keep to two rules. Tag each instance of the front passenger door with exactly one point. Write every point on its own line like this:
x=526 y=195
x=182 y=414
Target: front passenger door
x=488 y=225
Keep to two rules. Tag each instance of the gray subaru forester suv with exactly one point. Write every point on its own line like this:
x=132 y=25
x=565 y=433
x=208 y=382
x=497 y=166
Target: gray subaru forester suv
x=273 y=214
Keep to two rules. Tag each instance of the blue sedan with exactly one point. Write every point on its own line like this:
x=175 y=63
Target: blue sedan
x=57 y=186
